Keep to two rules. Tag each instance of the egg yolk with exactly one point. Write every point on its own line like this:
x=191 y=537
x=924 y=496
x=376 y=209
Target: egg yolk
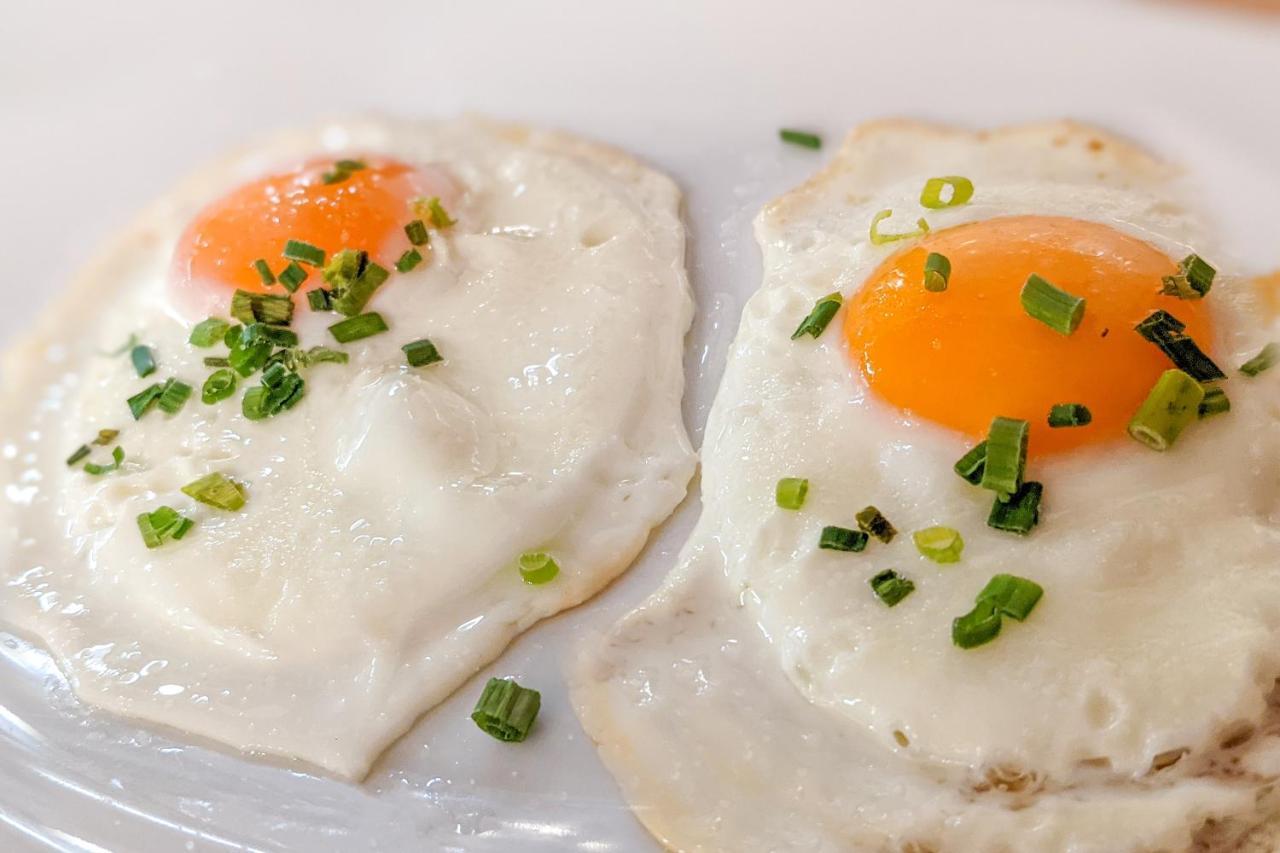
x=965 y=355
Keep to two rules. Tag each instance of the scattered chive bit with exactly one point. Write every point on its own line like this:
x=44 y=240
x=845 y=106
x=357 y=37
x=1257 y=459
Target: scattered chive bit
x=842 y=539
x=106 y=436
x=1057 y=309
x=871 y=521
x=1215 y=402
x=506 y=710
x=823 y=311
x=173 y=396
x=344 y=268
x=220 y=385
x=972 y=464
x=433 y=211
x=248 y=356
x=1020 y=513
x=322 y=355
x=421 y=353
x=791 y=491
x=216 y=490
x=417 y=233
x=537 y=567
x=940 y=544
x=1174 y=402
x=891 y=587
x=297 y=250
x=408 y=260
x=261 y=308
x=216 y=361
x=961 y=192
x=878 y=239
x=342 y=170
x=117 y=458
x=1069 y=415
x=161 y=525
x=1013 y=596
x=82 y=452
x=208 y=332
x=141 y=403
x=281 y=389
x=263 y=269
x=1006 y=456
x=801 y=138
x=1192 y=281
x=355 y=328
x=978 y=627
x=144 y=360
x=1264 y=360
x=320 y=299
x=1166 y=331
x=937 y=272
x=292 y=277
x=355 y=296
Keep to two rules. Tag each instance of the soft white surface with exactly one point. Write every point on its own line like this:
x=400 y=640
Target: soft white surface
x=106 y=106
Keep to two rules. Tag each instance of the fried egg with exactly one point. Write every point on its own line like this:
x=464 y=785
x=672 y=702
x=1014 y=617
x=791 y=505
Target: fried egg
x=356 y=555
x=768 y=698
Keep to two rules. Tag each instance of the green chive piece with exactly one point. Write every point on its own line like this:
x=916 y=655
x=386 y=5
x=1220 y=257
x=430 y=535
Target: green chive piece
x=506 y=710
x=408 y=260
x=931 y=195
x=144 y=360
x=1174 y=402
x=281 y=389
x=1069 y=415
x=537 y=567
x=940 y=544
x=421 y=353
x=1166 y=332
x=292 y=277
x=1020 y=513
x=823 y=311
x=937 y=272
x=344 y=268
x=791 y=491
x=1264 y=360
x=218 y=491
x=322 y=355
x=216 y=361
x=1215 y=402
x=1006 y=456
x=106 y=436
x=879 y=239
x=261 y=308
x=141 y=403
x=173 y=396
x=433 y=211
x=801 y=138
x=208 y=332
x=117 y=458
x=972 y=464
x=82 y=452
x=248 y=357
x=296 y=250
x=356 y=295
x=977 y=627
x=842 y=539
x=320 y=299
x=871 y=521
x=162 y=525
x=342 y=170
x=1057 y=309
x=274 y=335
x=891 y=587
x=220 y=385
x=1192 y=281
x=355 y=328
x=1013 y=596
x=417 y=233
x=265 y=275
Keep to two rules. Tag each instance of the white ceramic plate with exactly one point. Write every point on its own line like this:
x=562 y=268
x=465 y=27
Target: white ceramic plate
x=103 y=106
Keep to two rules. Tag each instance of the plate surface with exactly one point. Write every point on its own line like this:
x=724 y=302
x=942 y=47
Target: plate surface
x=107 y=105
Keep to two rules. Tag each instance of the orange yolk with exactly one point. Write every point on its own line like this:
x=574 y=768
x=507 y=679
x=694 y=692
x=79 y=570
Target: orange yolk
x=969 y=353
x=254 y=221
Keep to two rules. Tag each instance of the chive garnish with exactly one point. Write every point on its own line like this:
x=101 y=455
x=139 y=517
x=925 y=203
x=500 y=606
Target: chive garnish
x=819 y=318
x=144 y=360
x=790 y=492
x=265 y=275
x=321 y=355
x=342 y=170
x=1020 y=513
x=297 y=250
x=1013 y=596
x=1166 y=331
x=281 y=389
x=879 y=239
x=408 y=260
x=106 y=436
x=931 y=195
x=141 y=403
x=1069 y=415
x=173 y=396
x=537 y=567
x=355 y=328
x=292 y=277
x=1057 y=309
x=80 y=454
x=971 y=465
x=117 y=458
x=248 y=357
x=937 y=272
x=421 y=353
x=1215 y=402
x=261 y=308
x=433 y=211
x=1192 y=281
x=1174 y=402
x=842 y=539
x=161 y=525
x=940 y=544
x=417 y=233
x=891 y=587
x=506 y=710
x=319 y=299
x=1264 y=360
x=977 y=627
x=220 y=385
x=208 y=332
x=216 y=361
x=800 y=137
x=356 y=295
x=217 y=491
x=871 y=521
x=344 y=268
x=1006 y=456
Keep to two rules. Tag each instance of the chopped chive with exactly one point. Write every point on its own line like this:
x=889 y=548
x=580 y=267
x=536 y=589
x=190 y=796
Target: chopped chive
x=218 y=491
x=790 y=492
x=220 y=385
x=1166 y=331
x=1013 y=596
x=816 y=323
x=801 y=138
x=421 y=353
x=216 y=361
x=891 y=587
x=1020 y=513
x=292 y=277
x=208 y=332
x=537 y=568
x=1057 y=309
x=1215 y=402
x=842 y=539
x=871 y=521
x=273 y=334
x=281 y=389
x=161 y=525
x=940 y=544
x=106 y=436
x=977 y=627
x=141 y=403
x=355 y=328
x=144 y=360
x=248 y=357
x=81 y=453
x=1069 y=415
x=931 y=195
x=356 y=295
x=261 y=308
x=408 y=260
x=344 y=268
x=173 y=396
x=117 y=458
x=319 y=299
x=417 y=233
x=322 y=355
x=1172 y=404
x=937 y=272
x=1006 y=456
x=342 y=170
x=1264 y=360
x=506 y=710
x=433 y=211
x=265 y=275
x=1192 y=281
x=879 y=239
x=296 y=250
x=972 y=464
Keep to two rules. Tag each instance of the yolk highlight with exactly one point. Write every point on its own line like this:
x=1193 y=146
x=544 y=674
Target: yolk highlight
x=963 y=356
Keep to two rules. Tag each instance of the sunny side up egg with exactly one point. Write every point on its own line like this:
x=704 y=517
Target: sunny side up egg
x=777 y=694
x=354 y=557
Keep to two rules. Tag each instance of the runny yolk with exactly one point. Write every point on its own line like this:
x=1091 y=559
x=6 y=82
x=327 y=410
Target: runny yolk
x=962 y=356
